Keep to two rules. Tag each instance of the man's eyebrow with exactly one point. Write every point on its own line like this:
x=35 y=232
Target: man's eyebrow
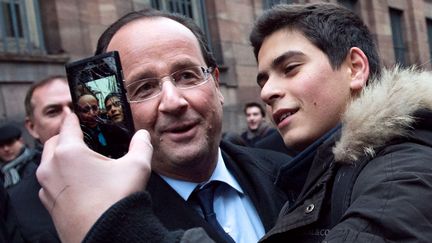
x=177 y=65
x=50 y=107
x=286 y=55
x=141 y=75
x=182 y=64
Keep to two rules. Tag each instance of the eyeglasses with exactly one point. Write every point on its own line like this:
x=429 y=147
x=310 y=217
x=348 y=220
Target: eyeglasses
x=88 y=108
x=149 y=88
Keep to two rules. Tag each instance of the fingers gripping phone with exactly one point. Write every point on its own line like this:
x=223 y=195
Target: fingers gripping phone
x=99 y=99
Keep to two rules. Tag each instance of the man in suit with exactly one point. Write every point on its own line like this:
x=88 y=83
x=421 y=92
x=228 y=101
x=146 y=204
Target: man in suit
x=47 y=103
x=172 y=83
x=14 y=155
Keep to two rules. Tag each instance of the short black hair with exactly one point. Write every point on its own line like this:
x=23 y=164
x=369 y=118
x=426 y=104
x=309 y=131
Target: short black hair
x=331 y=28
x=148 y=13
x=110 y=95
x=254 y=104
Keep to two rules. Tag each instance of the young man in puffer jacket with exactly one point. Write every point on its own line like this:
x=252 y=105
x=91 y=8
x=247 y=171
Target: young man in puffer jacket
x=365 y=135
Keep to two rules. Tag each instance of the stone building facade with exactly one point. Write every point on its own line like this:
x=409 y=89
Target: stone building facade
x=37 y=37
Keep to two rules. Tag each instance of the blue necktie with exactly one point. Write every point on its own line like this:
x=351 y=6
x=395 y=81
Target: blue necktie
x=205 y=200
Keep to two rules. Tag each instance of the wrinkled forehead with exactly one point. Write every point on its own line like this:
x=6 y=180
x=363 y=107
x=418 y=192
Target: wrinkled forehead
x=155 y=47
x=87 y=99
x=151 y=28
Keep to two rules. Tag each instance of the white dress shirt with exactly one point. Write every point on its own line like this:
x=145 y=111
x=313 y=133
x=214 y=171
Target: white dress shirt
x=234 y=209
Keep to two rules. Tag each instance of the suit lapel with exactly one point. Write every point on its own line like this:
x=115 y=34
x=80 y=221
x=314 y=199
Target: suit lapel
x=266 y=199
x=174 y=212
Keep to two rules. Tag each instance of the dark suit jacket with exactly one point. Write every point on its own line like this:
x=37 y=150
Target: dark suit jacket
x=255 y=170
x=8 y=225
x=274 y=141
x=33 y=220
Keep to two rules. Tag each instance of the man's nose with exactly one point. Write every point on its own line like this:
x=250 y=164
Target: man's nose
x=271 y=91
x=172 y=98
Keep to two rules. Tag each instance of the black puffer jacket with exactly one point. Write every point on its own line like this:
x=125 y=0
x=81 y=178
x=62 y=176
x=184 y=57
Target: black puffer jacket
x=387 y=136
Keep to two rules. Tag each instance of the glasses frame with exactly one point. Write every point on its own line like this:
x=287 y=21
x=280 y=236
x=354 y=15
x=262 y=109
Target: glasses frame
x=207 y=71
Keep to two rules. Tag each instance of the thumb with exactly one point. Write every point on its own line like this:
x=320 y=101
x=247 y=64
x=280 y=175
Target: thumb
x=140 y=148
x=70 y=130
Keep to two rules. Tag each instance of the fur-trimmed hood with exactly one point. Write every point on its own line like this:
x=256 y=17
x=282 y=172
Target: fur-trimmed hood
x=383 y=111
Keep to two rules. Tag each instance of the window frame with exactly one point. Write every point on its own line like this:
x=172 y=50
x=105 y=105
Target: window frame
x=20 y=27
x=396 y=24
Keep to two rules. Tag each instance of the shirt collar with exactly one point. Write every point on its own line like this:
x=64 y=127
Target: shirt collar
x=221 y=173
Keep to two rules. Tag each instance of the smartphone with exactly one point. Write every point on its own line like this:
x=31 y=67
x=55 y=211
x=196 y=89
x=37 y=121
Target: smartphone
x=99 y=100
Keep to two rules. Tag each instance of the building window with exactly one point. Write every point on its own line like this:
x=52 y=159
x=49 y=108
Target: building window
x=429 y=33
x=270 y=3
x=191 y=8
x=349 y=4
x=20 y=27
x=397 y=34
x=194 y=9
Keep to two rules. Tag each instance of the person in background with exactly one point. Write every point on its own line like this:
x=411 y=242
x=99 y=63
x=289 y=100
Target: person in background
x=364 y=133
x=8 y=223
x=47 y=102
x=257 y=127
x=100 y=134
x=178 y=175
x=14 y=155
x=114 y=108
x=261 y=135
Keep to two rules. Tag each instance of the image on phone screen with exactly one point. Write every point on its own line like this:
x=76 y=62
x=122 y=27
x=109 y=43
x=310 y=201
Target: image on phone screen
x=99 y=99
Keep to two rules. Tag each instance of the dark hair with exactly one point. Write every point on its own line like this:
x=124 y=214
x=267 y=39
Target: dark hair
x=29 y=108
x=108 y=34
x=254 y=104
x=9 y=133
x=110 y=95
x=330 y=27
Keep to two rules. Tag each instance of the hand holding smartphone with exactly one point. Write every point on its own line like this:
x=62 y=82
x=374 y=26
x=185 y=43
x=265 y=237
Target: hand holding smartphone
x=100 y=102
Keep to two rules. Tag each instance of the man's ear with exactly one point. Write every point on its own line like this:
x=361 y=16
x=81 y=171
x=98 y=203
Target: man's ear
x=359 y=67
x=216 y=76
x=30 y=127
x=216 y=80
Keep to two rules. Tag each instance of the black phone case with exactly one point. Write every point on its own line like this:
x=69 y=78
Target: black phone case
x=101 y=77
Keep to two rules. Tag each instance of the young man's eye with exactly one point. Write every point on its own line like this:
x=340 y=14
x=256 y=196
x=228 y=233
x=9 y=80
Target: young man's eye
x=288 y=69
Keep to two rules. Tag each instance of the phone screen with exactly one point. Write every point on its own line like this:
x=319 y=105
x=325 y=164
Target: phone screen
x=99 y=99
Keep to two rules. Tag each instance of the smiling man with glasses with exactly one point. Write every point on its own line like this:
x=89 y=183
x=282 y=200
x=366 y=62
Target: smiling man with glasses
x=148 y=88
x=172 y=85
